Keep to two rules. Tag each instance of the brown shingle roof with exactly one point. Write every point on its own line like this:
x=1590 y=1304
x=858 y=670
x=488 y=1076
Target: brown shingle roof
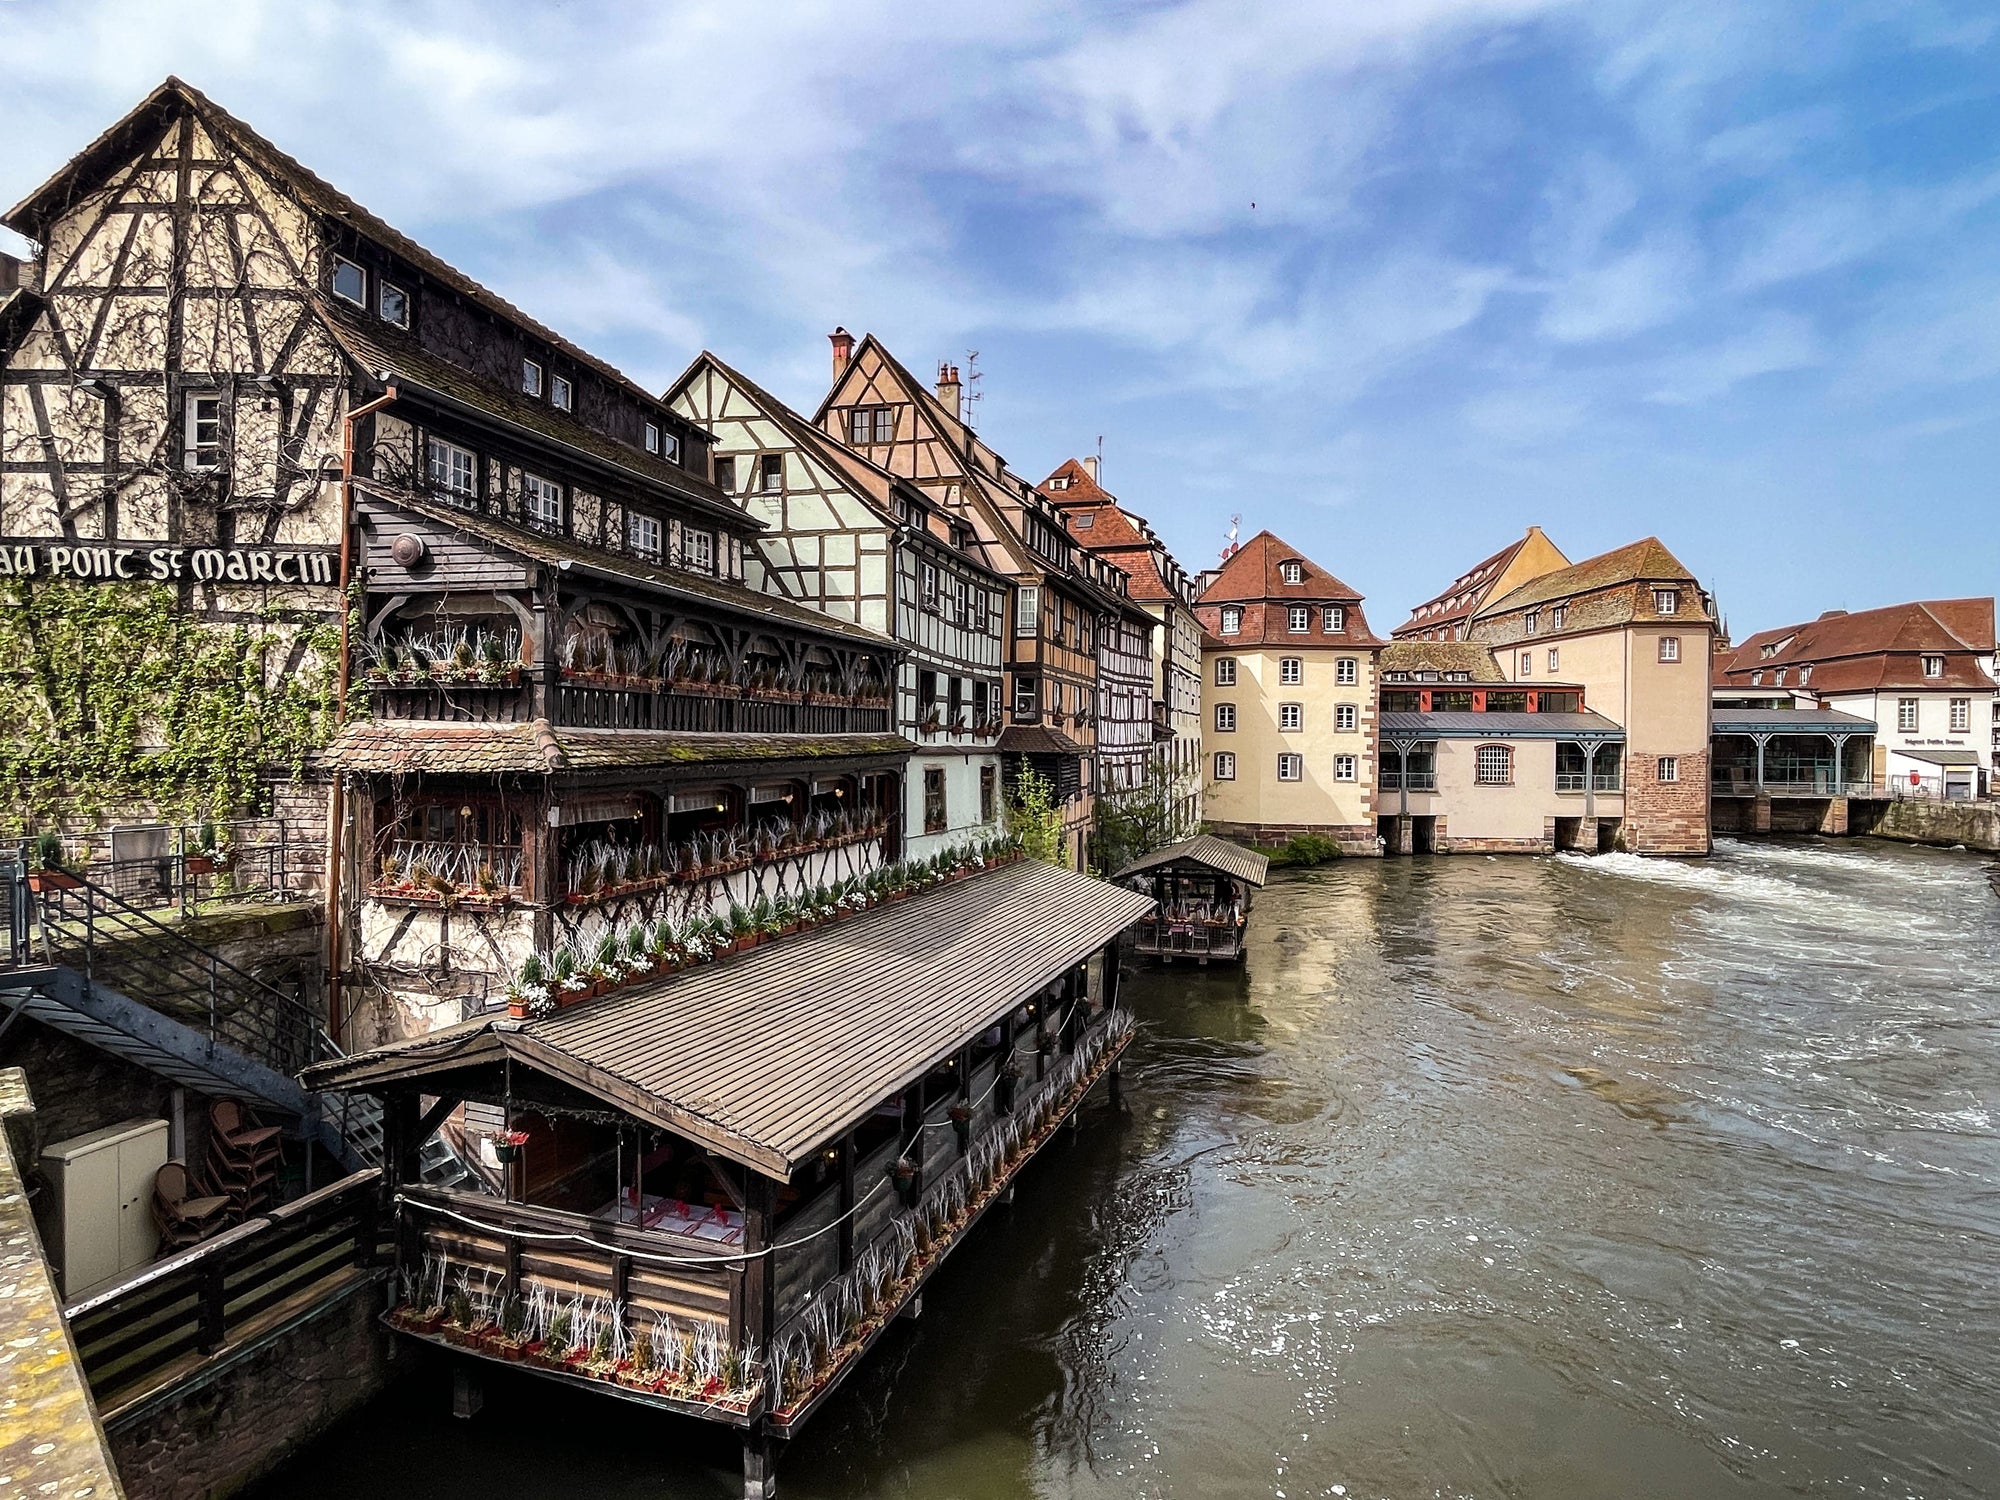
x=1036 y=739
x=405 y=746
x=1646 y=561
x=1252 y=572
x=1466 y=594
x=1873 y=648
x=1441 y=656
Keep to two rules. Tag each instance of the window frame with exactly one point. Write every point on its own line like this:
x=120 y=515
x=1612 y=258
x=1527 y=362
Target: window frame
x=635 y=520
x=936 y=814
x=724 y=473
x=1291 y=718
x=1501 y=756
x=1291 y=570
x=1670 y=649
x=1027 y=611
x=342 y=263
x=1291 y=671
x=1298 y=619
x=1346 y=718
x=698 y=550
x=1225 y=671
x=1295 y=762
x=562 y=393
x=1907 y=716
x=1346 y=767
x=653 y=437
x=536 y=492
x=1231 y=621
x=534 y=379
x=1961 y=716
x=1527 y=665
x=1666 y=601
x=1555 y=661
x=1333 y=619
x=1225 y=765
x=1225 y=718
x=434 y=446
x=1933 y=667
x=192 y=422
x=769 y=475
x=1346 y=671
x=1667 y=769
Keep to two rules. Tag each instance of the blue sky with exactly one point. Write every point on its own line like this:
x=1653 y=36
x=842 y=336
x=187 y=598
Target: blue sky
x=1394 y=279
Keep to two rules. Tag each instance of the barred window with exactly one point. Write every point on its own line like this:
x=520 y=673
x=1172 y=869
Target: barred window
x=1494 y=766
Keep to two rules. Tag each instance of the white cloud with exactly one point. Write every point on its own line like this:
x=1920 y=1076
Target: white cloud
x=1779 y=342
x=1627 y=293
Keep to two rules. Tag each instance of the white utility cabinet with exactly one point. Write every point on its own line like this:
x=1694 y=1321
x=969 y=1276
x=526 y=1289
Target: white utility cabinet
x=103 y=1185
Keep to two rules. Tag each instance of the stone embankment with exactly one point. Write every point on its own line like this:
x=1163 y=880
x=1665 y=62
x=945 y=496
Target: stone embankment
x=1976 y=825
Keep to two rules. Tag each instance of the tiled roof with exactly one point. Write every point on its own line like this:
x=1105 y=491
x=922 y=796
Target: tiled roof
x=1441 y=657
x=1873 y=648
x=699 y=587
x=1252 y=573
x=1080 y=489
x=1642 y=562
x=377 y=350
x=32 y=215
x=1036 y=739
x=1465 y=595
x=1464 y=726
x=405 y=746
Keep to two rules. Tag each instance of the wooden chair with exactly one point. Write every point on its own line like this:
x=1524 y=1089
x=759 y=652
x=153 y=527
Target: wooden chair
x=184 y=1220
x=243 y=1157
x=238 y=1129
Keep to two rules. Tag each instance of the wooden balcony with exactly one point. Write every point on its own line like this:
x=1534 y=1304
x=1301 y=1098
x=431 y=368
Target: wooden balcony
x=585 y=704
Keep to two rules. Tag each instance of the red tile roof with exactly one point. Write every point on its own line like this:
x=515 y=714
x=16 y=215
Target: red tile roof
x=1253 y=578
x=1872 y=648
x=1644 y=561
x=1099 y=523
x=1457 y=603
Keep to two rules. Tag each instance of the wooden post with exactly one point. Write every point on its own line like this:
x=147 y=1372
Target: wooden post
x=760 y=1457
x=510 y=1285
x=760 y=1281
x=846 y=1230
x=212 y=1295
x=621 y=1283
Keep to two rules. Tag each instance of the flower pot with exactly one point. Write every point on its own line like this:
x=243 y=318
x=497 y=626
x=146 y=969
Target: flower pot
x=52 y=880
x=506 y=1152
x=200 y=864
x=517 y=1010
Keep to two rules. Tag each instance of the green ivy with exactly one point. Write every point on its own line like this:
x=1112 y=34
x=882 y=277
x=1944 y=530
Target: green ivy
x=113 y=694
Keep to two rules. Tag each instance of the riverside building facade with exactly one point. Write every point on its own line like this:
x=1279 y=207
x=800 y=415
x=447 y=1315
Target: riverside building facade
x=1289 y=701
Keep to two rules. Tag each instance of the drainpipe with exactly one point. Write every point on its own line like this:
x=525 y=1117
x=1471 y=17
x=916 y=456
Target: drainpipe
x=336 y=802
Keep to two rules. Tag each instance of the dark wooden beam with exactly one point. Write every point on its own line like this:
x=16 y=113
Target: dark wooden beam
x=846 y=1230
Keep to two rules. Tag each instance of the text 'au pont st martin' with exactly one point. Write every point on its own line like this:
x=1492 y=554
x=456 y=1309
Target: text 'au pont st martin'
x=97 y=563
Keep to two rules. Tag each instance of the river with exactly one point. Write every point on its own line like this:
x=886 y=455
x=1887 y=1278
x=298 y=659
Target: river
x=1484 y=1178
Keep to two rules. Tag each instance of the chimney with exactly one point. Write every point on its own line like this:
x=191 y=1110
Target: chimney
x=1090 y=466
x=948 y=389
x=843 y=350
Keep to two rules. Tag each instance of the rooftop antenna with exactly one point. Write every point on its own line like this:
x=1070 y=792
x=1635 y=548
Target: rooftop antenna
x=1229 y=546
x=972 y=391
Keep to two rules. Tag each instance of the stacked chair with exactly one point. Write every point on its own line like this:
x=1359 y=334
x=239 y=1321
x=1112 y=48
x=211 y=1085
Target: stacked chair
x=243 y=1158
x=184 y=1219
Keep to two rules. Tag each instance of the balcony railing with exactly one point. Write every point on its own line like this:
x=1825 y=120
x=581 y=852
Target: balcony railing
x=1601 y=781
x=608 y=704
x=1730 y=781
x=1412 y=781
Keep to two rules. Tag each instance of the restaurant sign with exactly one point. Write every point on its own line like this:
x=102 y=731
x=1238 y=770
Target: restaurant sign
x=112 y=562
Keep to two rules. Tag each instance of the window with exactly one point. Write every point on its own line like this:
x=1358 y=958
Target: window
x=1225 y=671
x=1292 y=572
x=202 y=434
x=1532 y=621
x=1805 y=676
x=697 y=549
x=1778 y=678
x=1961 y=715
x=1555 y=661
x=989 y=793
x=770 y=473
x=725 y=475
x=1225 y=718
x=1291 y=767
x=1933 y=666
x=1055 y=697
x=541 y=502
x=1027 y=608
x=1344 y=767
x=1298 y=619
x=642 y=535
x=1346 y=671
x=1027 y=697
x=393 y=303
x=1527 y=664
x=1668 y=769
x=1557 y=614
x=1493 y=765
x=927 y=585
x=1670 y=648
x=531 y=378
x=1291 y=670
x=1232 y=619
x=1087 y=521
x=1666 y=601
x=1333 y=619
x=1906 y=716
x=1291 y=718
x=350 y=282
x=934 y=819
x=1756 y=679
x=1225 y=765
x=885 y=424
x=454 y=471
x=652 y=437
x=1345 y=718
x=561 y=394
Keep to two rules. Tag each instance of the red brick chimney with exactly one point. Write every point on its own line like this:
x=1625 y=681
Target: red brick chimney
x=843 y=350
x=948 y=388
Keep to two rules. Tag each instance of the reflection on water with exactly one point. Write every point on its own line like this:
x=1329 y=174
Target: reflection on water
x=1497 y=1178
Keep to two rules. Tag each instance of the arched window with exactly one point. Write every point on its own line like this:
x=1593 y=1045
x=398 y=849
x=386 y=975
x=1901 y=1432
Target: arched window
x=1494 y=765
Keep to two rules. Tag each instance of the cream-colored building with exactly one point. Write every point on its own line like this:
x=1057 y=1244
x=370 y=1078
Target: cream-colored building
x=1288 y=700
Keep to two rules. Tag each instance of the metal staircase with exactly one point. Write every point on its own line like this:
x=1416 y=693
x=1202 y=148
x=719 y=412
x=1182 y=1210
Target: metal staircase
x=82 y=960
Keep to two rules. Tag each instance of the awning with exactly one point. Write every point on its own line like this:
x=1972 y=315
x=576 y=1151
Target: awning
x=1789 y=721
x=1209 y=852
x=771 y=1055
x=537 y=748
x=1938 y=757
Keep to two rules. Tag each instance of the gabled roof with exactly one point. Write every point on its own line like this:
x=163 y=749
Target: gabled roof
x=768 y=1056
x=1643 y=561
x=1873 y=648
x=1078 y=488
x=1036 y=739
x=1252 y=573
x=1209 y=852
x=33 y=214
x=1470 y=589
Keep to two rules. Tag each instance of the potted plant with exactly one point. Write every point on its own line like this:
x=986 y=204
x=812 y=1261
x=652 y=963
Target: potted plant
x=961 y=1125
x=210 y=850
x=903 y=1172
x=45 y=865
x=507 y=1146
x=528 y=992
x=1006 y=1086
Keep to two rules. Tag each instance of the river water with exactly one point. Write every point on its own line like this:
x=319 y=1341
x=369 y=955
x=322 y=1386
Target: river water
x=1483 y=1178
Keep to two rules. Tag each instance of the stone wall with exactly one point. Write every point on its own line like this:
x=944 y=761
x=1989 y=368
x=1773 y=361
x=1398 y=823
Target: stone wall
x=1915 y=821
x=238 y=1419
x=1353 y=838
x=1666 y=817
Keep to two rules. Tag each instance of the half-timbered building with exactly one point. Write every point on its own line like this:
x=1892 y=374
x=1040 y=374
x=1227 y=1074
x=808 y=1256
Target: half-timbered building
x=856 y=542
x=1062 y=594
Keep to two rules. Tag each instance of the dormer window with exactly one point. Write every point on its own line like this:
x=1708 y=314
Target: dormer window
x=1084 y=522
x=1292 y=571
x=1805 y=676
x=393 y=303
x=1060 y=482
x=1933 y=666
x=1532 y=621
x=1557 y=614
x=531 y=378
x=1778 y=678
x=1666 y=601
x=350 y=282
x=1333 y=619
x=1232 y=619
x=562 y=395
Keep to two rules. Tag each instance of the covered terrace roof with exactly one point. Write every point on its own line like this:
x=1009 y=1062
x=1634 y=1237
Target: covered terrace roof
x=1499 y=726
x=771 y=1055
x=1208 y=851
x=537 y=748
x=1730 y=720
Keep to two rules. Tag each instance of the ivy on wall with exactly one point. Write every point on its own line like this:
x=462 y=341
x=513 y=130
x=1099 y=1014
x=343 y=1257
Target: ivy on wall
x=113 y=694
